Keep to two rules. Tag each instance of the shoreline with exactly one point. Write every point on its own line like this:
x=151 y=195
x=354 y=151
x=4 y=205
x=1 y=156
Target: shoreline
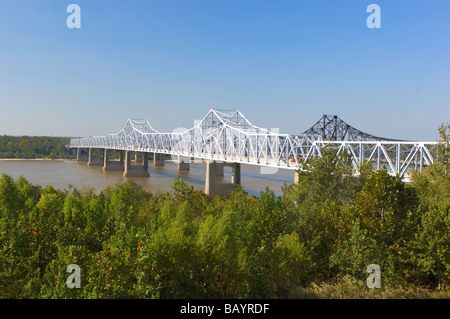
x=38 y=159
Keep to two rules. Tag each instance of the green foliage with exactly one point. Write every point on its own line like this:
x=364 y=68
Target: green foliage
x=353 y=256
x=183 y=244
x=431 y=243
x=34 y=147
x=324 y=178
x=444 y=148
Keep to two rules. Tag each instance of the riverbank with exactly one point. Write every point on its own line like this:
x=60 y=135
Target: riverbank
x=39 y=159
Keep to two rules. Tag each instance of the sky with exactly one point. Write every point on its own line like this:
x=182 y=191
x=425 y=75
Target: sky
x=282 y=63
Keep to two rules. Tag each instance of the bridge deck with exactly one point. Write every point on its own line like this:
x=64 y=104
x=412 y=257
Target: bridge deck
x=229 y=137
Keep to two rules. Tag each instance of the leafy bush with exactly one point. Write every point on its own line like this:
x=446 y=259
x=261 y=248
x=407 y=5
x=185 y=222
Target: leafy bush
x=315 y=241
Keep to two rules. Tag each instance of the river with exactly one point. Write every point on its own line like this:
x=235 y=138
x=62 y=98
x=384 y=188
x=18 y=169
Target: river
x=62 y=174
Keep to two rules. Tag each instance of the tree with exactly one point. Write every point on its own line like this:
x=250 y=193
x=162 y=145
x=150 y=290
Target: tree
x=387 y=209
x=8 y=191
x=34 y=147
x=432 y=244
x=294 y=265
x=444 y=148
x=354 y=254
x=326 y=184
x=329 y=177
x=430 y=249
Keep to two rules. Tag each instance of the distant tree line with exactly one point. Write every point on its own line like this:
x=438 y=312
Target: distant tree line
x=316 y=240
x=30 y=147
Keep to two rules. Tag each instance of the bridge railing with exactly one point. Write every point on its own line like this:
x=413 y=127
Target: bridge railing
x=229 y=136
x=399 y=157
x=282 y=150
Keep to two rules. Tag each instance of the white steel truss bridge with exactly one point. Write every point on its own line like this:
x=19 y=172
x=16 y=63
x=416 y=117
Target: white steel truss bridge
x=228 y=136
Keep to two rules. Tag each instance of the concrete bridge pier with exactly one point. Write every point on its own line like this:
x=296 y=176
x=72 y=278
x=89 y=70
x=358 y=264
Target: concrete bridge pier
x=296 y=177
x=213 y=188
x=158 y=159
x=136 y=170
x=219 y=170
x=82 y=155
x=184 y=163
x=113 y=165
x=93 y=160
x=138 y=157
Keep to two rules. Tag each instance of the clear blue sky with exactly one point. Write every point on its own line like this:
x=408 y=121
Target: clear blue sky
x=282 y=63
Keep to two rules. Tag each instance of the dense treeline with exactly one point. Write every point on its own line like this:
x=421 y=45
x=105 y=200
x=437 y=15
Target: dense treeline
x=325 y=230
x=34 y=147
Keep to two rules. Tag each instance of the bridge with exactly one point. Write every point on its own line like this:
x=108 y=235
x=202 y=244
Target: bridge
x=228 y=138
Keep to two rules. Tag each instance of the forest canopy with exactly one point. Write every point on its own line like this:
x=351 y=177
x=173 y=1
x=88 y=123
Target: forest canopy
x=316 y=240
x=30 y=147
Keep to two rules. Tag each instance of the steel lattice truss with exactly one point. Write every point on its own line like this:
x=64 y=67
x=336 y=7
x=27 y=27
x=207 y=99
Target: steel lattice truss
x=228 y=136
x=332 y=128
